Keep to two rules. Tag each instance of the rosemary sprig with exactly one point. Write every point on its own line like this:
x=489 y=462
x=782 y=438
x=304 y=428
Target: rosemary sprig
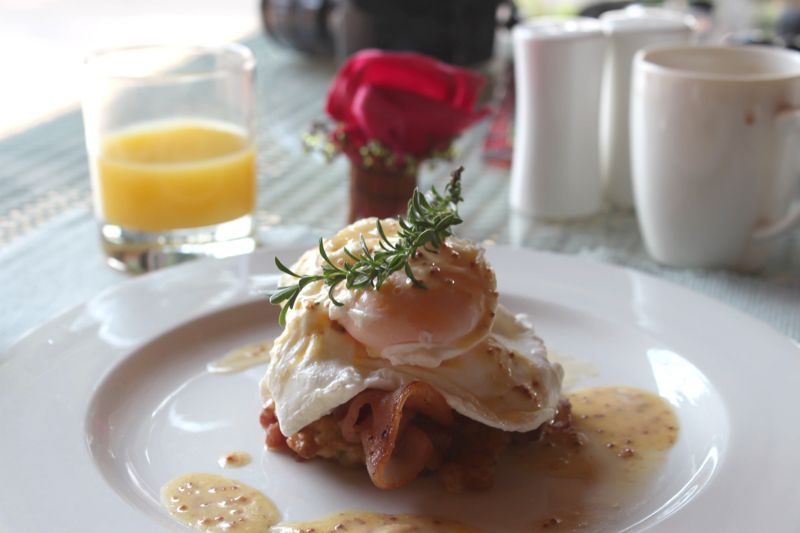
x=427 y=224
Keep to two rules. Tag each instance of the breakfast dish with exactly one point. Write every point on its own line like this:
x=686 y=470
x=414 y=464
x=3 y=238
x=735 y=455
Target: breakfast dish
x=122 y=384
x=419 y=370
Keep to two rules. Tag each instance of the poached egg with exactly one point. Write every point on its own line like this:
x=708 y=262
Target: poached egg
x=486 y=362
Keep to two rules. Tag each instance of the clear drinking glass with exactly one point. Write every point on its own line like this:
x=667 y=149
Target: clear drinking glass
x=170 y=137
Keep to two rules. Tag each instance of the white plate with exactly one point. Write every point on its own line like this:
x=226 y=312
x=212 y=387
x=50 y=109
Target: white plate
x=103 y=405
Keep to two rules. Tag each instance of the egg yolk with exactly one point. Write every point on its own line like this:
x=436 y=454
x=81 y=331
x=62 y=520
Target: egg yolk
x=453 y=309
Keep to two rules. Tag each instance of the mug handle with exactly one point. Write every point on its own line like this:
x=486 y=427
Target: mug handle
x=788 y=124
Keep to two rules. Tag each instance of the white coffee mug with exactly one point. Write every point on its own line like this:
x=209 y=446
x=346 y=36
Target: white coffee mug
x=558 y=65
x=628 y=31
x=715 y=140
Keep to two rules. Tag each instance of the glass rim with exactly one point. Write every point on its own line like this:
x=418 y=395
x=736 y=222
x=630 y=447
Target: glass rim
x=244 y=55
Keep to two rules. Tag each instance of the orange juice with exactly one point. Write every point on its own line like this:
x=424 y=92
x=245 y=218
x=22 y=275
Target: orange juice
x=175 y=174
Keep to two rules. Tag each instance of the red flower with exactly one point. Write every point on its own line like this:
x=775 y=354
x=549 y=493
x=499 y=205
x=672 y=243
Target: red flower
x=410 y=103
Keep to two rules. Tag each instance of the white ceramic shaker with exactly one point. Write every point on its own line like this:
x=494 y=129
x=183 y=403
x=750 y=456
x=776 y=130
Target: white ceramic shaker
x=558 y=64
x=628 y=31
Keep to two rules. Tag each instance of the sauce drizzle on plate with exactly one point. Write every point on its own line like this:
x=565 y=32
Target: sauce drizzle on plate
x=597 y=467
x=214 y=503
x=364 y=522
x=619 y=438
x=241 y=358
x=234 y=460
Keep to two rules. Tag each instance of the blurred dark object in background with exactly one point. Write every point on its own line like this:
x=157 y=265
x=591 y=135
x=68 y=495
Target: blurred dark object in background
x=702 y=7
x=595 y=10
x=459 y=32
x=300 y=24
x=754 y=37
x=787 y=27
x=786 y=33
x=758 y=37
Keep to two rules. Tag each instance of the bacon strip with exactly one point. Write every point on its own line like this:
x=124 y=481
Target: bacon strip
x=397 y=449
x=384 y=426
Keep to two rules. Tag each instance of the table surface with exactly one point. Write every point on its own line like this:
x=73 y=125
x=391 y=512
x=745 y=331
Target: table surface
x=50 y=258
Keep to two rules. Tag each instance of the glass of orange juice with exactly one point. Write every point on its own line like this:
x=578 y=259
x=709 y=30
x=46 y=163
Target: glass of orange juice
x=170 y=138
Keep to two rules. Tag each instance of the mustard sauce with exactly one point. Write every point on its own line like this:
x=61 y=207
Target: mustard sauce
x=241 y=358
x=214 y=503
x=621 y=437
x=234 y=460
x=625 y=420
x=364 y=522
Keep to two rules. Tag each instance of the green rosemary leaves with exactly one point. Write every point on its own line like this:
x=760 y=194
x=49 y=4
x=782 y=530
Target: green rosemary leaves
x=427 y=224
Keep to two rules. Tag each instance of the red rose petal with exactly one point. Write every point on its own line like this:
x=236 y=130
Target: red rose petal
x=410 y=102
x=407 y=122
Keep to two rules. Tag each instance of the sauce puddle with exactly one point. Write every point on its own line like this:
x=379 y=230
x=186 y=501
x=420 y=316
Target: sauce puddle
x=619 y=439
x=241 y=358
x=214 y=503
